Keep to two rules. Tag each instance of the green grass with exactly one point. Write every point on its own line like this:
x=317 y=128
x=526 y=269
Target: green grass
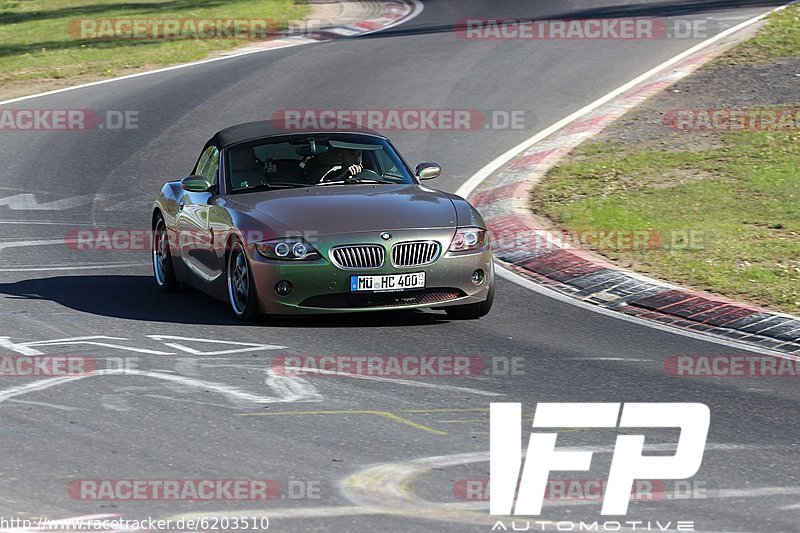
x=36 y=45
x=741 y=195
x=738 y=192
x=779 y=38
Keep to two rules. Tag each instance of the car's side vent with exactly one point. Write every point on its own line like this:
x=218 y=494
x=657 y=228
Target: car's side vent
x=413 y=254
x=359 y=256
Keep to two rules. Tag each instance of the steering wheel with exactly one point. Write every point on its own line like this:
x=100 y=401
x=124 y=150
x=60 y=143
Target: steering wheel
x=366 y=174
x=344 y=175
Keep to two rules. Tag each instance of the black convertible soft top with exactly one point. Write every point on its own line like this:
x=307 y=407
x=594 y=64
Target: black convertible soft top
x=266 y=128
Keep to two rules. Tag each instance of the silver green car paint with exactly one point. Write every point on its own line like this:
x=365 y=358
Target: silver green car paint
x=204 y=224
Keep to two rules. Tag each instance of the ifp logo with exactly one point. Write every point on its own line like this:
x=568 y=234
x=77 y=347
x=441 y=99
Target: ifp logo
x=627 y=464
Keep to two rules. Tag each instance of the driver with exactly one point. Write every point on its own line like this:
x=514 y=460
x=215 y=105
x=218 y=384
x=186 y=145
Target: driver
x=351 y=163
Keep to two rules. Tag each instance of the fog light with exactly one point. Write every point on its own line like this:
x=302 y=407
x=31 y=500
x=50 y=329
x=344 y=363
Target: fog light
x=478 y=276
x=283 y=288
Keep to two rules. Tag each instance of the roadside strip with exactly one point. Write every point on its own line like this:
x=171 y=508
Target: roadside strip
x=390 y=14
x=500 y=191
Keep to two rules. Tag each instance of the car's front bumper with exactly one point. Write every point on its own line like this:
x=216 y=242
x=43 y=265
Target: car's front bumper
x=321 y=287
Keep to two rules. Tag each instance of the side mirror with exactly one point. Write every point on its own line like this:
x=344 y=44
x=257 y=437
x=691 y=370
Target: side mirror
x=428 y=171
x=195 y=183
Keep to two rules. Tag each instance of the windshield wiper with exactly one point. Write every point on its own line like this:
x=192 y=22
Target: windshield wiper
x=351 y=182
x=269 y=186
x=285 y=185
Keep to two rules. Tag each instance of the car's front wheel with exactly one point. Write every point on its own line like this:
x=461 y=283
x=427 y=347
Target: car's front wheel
x=163 y=271
x=472 y=311
x=241 y=289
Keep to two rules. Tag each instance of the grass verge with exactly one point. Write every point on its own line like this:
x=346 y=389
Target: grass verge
x=739 y=202
x=780 y=37
x=736 y=192
x=40 y=41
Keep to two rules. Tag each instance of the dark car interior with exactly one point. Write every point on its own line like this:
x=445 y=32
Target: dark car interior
x=301 y=164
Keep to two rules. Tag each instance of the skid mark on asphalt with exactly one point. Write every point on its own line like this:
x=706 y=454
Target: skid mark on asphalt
x=287 y=388
x=30 y=202
x=102 y=266
x=386 y=489
x=49 y=405
x=49 y=223
x=446 y=410
x=432 y=417
x=187 y=371
x=474 y=425
x=428 y=425
x=408 y=382
x=384 y=414
x=30 y=347
x=389 y=485
x=287 y=392
x=393 y=416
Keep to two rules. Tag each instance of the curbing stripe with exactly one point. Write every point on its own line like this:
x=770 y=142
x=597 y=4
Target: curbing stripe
x=500 y=190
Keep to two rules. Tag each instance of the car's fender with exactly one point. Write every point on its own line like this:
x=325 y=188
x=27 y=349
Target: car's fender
x=466 y=214
x=252 y=226
x=167 y=203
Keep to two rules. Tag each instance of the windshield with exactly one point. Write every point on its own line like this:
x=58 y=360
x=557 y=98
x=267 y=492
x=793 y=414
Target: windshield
x=313 y=160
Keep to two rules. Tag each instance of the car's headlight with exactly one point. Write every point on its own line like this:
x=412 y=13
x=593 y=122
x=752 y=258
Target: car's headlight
x=289 y=249
x=467 y=239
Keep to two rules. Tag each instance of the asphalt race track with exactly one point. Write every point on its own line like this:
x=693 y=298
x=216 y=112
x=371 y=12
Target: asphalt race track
x=197 y=405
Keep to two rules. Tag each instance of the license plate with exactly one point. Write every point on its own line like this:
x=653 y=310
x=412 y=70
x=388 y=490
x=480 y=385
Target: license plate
x=387 y=282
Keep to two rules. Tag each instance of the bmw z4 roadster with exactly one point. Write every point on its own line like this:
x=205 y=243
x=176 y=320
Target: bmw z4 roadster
x=280 y=223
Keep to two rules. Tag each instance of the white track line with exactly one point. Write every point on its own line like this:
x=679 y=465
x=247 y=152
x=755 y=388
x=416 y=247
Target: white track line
x=623 y=359
x=385 y=489
x=551 y=293
x=52 y=223
x=474 y=181
x=101 y=266
x=286 y=393
x=22 y=244
x=411 y=383
x=468 y=186
x=418 y=8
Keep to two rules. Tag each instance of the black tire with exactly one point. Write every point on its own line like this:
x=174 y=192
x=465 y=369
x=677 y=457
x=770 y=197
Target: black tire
x=242 y=294
x=472 y=311
x=163 y=270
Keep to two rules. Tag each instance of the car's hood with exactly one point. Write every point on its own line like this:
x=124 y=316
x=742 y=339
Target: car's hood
x=335 y=209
